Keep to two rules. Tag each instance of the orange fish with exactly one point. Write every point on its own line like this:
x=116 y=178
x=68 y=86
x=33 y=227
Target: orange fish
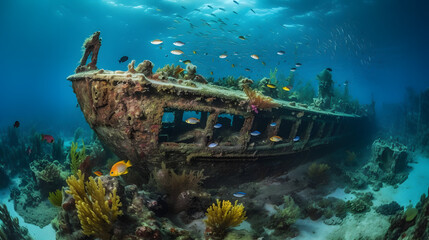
x=98 y=173
x=120 y=168
x=178 y=71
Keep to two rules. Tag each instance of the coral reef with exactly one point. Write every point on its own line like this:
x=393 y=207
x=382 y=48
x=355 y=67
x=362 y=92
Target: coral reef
x=10 y=229
x=389 y=209
x=179 y=188
x=413 y=224
x=169 y=71
x=145 y=67
x=361 y=204
x=230 y=82
x=259 y=101
x=30 y=199
x=96 y=213
x=285 y=216
x=388 y=163
x=46 y=170
x=318 y=172
x=222 y=216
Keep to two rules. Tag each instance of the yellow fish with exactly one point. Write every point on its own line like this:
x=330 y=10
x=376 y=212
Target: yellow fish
x=271 y=85
x=211 y=73
x=276 y=138
x=192 y=120
x=263 y=63
x=187 y=61
x=232 y=65
x=120 y=168
x=287 y=88
x=98 y=173
x=242 y=37
x=194 y=52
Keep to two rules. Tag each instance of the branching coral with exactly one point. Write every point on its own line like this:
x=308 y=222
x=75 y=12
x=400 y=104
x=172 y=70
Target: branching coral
x=96 y=212
x=56 y=197
x=76 y=157
x=224 y=215
x=10 y=229
x=167 y=181
x=46 y=170
x=318 y=172
x=287 y=215
x=258 y=100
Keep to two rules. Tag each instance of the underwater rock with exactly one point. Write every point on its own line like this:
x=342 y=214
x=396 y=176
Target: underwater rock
x=389 y=209
x=388 y=163
x=31 y=203
x=417 y=228
x=356 y=179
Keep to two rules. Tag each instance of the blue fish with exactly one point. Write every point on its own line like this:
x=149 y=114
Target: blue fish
x=212 y=145
x=255 y=133
x=239 y=194
x=217 y=125
x=273 y=124
x=296 y=139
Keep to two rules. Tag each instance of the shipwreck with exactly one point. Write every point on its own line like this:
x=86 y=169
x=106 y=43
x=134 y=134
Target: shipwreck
x=141 y=116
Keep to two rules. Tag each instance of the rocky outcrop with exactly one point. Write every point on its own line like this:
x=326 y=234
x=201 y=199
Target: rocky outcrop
x=388 y=163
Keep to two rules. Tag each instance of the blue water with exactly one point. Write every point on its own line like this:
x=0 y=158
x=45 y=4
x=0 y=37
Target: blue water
x=379 y=47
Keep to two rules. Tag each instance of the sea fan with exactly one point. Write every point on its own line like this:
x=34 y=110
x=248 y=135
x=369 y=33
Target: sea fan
x=258 y=100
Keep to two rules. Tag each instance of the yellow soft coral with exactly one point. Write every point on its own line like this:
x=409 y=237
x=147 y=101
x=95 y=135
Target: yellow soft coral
x=56 y=198
x=224 y=215
x=95 y=212
x=76 y=157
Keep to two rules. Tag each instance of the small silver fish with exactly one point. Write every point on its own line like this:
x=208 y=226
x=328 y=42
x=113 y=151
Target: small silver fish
x=217 y=125
x=273 y=124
